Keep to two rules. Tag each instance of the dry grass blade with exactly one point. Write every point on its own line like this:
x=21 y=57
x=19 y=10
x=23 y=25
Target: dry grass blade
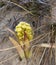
x=11 y=31
x=42 y=56
x=8 y=59
x=1 y=50
x=40 y=27
x=44 y=45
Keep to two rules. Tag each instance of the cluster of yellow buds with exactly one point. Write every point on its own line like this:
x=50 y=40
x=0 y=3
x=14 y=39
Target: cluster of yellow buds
x=25 y=34
x=23 y=29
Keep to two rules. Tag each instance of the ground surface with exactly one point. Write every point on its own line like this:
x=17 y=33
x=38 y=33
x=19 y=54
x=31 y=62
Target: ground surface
x=7 y=17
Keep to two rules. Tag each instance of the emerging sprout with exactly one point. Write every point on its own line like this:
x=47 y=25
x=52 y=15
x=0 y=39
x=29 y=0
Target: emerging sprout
x=25 y=34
